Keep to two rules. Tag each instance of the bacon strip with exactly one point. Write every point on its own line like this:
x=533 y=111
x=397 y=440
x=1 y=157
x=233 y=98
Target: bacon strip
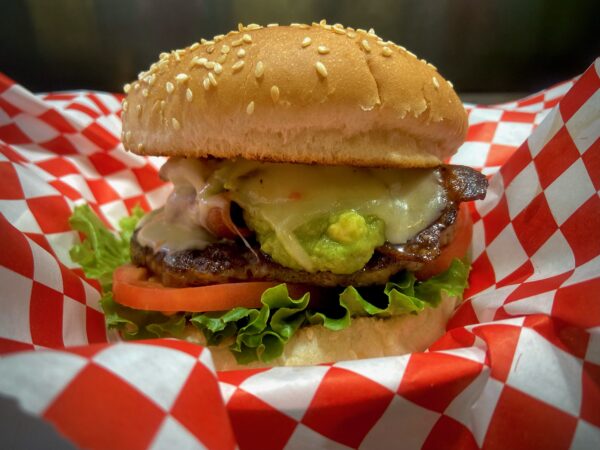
x=220 y=223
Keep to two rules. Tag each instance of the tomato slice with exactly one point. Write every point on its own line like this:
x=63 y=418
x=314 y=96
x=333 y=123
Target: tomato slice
x=456 y=249
x=131 y=287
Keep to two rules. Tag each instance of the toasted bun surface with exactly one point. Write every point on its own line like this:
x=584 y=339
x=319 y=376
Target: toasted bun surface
x=366 y=337
x=308 y=94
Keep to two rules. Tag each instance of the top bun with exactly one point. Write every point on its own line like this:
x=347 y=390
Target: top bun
x=301 y=93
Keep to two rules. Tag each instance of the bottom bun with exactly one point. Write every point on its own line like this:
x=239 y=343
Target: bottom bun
x=366 y=337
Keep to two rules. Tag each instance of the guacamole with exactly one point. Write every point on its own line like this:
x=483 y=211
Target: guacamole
x=341 y=243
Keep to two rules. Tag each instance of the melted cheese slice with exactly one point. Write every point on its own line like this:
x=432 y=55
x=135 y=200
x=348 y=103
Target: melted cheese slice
x=289 y=195
x=159 y=233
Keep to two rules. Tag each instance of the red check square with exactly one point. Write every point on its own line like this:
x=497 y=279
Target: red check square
x=582 y=231
x=196 y=408
x=117 y=416
x=535 y=224
x=521 y=422
x=52 y=213
x=556 y=157
x=256 y=424
x=348 y=418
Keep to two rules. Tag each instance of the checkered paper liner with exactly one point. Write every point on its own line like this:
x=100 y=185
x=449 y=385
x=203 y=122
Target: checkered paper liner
x=519 y=366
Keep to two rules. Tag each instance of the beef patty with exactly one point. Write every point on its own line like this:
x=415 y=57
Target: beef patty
x=232 y=261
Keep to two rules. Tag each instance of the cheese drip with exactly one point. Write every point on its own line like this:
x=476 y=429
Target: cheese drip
x=158 y=233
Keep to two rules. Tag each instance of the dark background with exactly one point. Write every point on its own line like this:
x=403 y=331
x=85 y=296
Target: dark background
x=492 y=50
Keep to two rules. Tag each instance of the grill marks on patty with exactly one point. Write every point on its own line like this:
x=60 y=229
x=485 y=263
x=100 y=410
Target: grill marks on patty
x=232 y=261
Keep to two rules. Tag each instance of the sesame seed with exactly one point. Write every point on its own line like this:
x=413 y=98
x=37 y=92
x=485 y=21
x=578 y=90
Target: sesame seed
x=322 y=50
x=176 y=124
x=306 y=42
x=218 y=37
x=194 y=46
x=138 y=109
x=209 y=65
x=295 y=25
x=225 y=49
x=240 y=26
x=127 y=88
x=247 y=38
x=361 y=31
x=351 y=34
x=237 y=42
x=411 y=53
x=182 y=77
x=253 y=26
x=125 y=105
x=177 y=57
x=401 y=48
x=218 y=68
x=274 y=93
x=321 y=69
x=259 y=70
x=237 y=66
x=322 y=22
x=150 y=79
x=339 y=30
x=432 y=66
x=136 y=86
x=203 y=41
x=221 y=59
x=210 y=49
x=209 y=42
x=436 y=83
x=199 y=61
x=163 y=55
x=189 y=95
x=169 y=86
x=450 y=83
x=372 y=31
x=365 y=45
x=386 y=51
x=250 y=108
x=241 y=53
x=145 y=92
x=212 y=79
x=141 y=75
x=271 y=25
x=206 y=84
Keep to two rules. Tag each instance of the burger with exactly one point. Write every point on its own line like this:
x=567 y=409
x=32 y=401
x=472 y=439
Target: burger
x=312 y=218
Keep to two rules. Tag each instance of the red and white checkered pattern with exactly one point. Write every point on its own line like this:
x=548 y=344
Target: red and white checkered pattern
x=518 y=368
x=153 y=394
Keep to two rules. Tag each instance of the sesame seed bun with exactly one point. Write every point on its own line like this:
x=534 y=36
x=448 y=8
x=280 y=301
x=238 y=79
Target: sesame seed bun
x=302 y=93
x=366 y=337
